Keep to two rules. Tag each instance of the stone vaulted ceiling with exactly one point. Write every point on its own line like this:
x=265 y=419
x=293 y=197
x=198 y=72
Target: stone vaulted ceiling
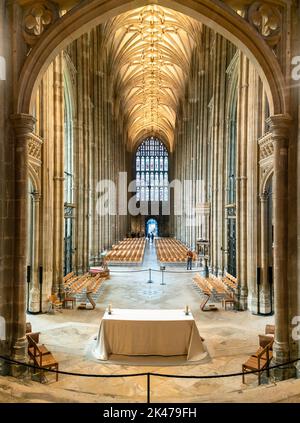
x=150 y=52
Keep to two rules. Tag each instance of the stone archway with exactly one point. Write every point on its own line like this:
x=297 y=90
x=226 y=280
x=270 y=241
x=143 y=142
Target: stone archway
x=219 y=17
x=215 y=14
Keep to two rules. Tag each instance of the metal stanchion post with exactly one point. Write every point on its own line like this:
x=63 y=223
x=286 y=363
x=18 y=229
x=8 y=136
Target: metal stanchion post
x=162 y=268
x=150 y=276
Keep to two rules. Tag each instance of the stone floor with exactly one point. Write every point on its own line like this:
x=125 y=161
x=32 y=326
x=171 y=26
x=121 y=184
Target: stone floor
x=229 y=337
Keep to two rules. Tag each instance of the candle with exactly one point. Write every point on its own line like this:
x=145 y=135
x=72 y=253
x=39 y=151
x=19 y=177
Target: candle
x=186 y=309
x=109 y=309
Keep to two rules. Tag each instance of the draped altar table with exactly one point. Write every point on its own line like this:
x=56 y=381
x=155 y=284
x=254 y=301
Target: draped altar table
x=149 y=333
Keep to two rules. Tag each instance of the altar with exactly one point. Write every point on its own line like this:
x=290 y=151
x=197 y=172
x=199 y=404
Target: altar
x=163 y=333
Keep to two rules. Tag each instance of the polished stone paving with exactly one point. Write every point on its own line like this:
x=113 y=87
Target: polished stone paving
x=230 y=337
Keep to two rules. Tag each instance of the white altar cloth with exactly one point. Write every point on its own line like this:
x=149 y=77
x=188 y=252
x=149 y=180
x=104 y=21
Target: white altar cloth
x=149 y=333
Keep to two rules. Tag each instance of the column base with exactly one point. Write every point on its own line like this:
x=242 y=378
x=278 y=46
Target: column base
x=252 y=303
x=282 y=355
x=243 y=299
x=264 y=303
x=19 y=353
x=261 y=307
x=34 y=301
x=4 y=365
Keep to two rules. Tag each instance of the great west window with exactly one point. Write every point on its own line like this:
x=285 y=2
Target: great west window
x=152 y=171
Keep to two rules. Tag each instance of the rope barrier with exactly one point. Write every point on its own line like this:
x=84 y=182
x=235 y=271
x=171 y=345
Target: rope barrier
x=162 y=375
x=129 y=271
x=186 y=272
x=148 y=374
x=61 y=372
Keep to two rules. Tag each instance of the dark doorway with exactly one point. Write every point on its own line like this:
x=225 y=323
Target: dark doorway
x=152 y=227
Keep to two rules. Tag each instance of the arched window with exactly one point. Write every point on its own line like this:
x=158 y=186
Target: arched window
x=152 y=171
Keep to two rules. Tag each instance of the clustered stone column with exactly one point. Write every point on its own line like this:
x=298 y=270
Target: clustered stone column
x=242 y=181
x=265 y=300
x=23 y=126
x=34 y=304
x=100 y=150
x=200 y=148
x=280 y=127
x=218 y=112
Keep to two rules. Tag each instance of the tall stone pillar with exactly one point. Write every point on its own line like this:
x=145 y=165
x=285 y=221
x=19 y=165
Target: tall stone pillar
x=279 y=127
x=264 y=296
x=58 y=178
x=34 y=296
x=242 y=182
x=23 y=126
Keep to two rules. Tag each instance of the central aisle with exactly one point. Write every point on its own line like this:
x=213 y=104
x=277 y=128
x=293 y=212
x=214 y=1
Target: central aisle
x=150 y=257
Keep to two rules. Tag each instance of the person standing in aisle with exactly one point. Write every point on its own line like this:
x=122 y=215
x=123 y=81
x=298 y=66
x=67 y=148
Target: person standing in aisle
x=189 y=255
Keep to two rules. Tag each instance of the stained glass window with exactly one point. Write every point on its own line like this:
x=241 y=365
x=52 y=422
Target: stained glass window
x=152 y=171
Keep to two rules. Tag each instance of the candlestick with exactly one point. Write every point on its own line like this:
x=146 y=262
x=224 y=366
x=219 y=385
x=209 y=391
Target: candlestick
x=109 y=309
x=187 y=310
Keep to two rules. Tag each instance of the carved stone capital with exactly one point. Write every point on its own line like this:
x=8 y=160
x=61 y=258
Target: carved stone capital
x=267 y=19
x=23 y=124
x=280 y=127
x=37 y=18
x=264 y=197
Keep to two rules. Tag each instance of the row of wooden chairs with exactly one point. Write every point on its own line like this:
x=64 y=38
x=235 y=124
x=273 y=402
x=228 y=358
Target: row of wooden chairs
x=170 y=250
x=216 y=289
x=93 y=283
x=230 y=281
x=201 y=284
x=130 y=250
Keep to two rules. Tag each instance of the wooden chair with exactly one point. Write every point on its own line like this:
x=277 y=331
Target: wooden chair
x=209 y=307
x=67 y=300
x=270 y=330
x=259 y=361
x=40 y=355
x=229 y=300
x=55 y=304
x=28 y=327
x=33 y=340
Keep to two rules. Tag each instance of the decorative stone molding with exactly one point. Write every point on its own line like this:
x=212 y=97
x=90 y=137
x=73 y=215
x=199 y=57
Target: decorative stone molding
x=232 y=67
x=266 y=149
x=37 y=18
x=267 y=19
x=264 y=196
x=35 y=152
x=35 y=145
x=71 y=68
x=203 y=209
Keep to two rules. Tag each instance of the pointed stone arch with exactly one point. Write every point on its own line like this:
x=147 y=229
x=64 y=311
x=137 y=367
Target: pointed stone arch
x=214 y=14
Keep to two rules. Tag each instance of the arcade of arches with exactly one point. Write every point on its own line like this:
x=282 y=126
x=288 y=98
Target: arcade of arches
x=172 y=91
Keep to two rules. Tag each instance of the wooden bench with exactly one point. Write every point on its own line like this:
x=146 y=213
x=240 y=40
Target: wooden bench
x=259 y=361
x=40 y=355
